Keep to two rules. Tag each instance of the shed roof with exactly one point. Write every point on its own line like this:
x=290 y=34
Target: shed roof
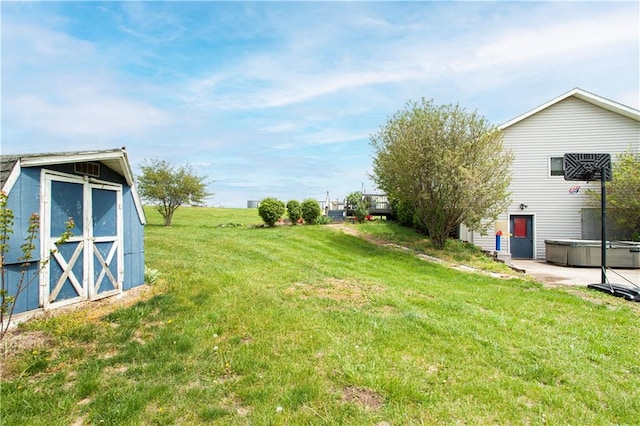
x=7 y=162
x=578 y=93
x=115 y=159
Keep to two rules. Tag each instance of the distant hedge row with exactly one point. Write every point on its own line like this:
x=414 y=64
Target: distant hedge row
x=271 y=210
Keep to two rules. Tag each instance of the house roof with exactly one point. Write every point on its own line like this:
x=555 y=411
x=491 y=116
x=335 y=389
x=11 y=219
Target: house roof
x=115 y=159
x=578 y=93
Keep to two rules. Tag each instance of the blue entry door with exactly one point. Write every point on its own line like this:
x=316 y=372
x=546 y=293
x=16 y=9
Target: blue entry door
x=521 y=240
x=89 y=265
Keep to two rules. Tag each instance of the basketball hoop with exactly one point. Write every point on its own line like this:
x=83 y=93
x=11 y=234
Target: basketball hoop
x=591 y=167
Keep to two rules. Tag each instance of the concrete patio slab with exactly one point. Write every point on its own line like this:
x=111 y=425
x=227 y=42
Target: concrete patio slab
x=567 y=275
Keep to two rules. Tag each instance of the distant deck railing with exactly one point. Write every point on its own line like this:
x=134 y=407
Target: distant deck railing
x=378 y=205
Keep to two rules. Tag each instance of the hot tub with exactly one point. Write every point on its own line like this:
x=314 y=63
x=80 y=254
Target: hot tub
x=620 y=254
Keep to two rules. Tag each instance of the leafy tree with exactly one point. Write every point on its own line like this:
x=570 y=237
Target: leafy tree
x=448 y=165
x=294 y=211
x=359 y=204
x=402 y=213
x=311 y=210
x=168 y=187
x=271 y=210
x=623 y=193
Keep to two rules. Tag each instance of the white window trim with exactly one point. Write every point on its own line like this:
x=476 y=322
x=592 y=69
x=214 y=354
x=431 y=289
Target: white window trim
x=549 y=170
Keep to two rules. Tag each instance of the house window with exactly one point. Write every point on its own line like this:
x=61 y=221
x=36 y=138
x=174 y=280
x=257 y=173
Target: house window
x=556 y=166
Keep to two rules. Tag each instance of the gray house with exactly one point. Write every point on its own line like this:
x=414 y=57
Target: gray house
x=105 y=255
x=544 y=205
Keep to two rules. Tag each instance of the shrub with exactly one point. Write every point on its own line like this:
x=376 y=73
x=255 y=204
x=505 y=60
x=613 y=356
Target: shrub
x=271 y=210
x=403 y=213
x=150 y=275
x=294 y=211
x=358 y=205
x=323 y=220
x=310 y=210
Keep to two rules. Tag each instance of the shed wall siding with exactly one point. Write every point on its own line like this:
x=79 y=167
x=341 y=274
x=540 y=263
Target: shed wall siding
x=29 y=297
x=23 y=200
x=133 y=244
x=571 y=125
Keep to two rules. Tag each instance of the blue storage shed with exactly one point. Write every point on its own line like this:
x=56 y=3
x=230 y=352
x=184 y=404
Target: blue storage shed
x=104 y=256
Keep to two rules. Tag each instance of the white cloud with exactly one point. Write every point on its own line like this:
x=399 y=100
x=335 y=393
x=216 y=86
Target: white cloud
x=148 y=22
x=61 y=86
x=29 y=45
x=555 y=41
x=100 y=115
x=282 y=87
x=423 y=55
x=280 y=127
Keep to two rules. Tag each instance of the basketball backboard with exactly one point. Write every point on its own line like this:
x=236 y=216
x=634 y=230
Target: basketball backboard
x=586 y=167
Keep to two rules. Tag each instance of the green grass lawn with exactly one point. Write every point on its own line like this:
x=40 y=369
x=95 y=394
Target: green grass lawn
x=311 y=325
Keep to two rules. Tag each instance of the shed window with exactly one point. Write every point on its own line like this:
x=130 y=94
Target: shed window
x=556 y=166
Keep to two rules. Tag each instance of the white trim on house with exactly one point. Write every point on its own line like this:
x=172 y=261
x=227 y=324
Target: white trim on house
x=592 y=98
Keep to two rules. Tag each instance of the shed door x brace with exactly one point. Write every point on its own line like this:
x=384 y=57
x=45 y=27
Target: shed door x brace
x=89 y=265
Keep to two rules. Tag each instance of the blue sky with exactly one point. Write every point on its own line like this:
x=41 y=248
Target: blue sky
x=280 y=98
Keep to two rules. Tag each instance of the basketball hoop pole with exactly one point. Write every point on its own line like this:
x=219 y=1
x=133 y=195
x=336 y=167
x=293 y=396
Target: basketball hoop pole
x=603 y=233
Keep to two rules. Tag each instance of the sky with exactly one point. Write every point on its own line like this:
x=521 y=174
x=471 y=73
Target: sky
x=279 y=99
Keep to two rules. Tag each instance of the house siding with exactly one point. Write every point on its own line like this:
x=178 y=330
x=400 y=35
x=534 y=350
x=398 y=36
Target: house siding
x=571 y=125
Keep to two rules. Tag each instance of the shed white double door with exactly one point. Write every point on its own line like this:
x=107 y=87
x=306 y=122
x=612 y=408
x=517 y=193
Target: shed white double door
x=89 y=265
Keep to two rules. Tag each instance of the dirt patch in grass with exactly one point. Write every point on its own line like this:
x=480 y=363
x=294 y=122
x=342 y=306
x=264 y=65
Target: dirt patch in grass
x=366 y=398
x=351 y=291
x=18 y=340
x=96 y=310
x=349 y=230
x=15 y=342
x=116 y=370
